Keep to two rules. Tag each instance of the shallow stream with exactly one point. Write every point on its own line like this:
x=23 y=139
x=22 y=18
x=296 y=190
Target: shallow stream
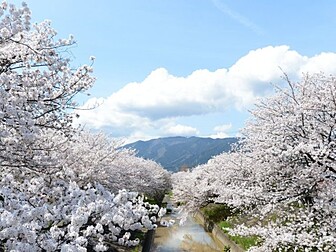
x=190 y=237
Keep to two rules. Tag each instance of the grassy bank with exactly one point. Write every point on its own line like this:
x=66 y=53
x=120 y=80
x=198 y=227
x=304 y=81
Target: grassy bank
x=226 y=218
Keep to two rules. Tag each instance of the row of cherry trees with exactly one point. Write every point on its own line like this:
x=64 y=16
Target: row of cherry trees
x=283 y=172
x=61 y=189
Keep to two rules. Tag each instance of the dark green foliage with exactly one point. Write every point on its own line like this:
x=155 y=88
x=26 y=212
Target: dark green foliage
x=227 y=249
x=217 y=212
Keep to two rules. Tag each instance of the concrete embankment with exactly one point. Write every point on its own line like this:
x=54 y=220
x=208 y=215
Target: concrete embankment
x=191 y=236
x=217 y=233
x=197 y=234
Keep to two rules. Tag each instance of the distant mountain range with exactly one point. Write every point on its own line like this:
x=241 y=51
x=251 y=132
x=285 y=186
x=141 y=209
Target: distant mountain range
x=174 y=153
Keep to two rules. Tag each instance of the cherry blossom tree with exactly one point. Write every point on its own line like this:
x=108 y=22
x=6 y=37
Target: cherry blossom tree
x=97 y=157
x=52 y=194
x=141 y=175
x=37 y=87
x=224 y=179
x=293 y=134
x=285 y=168
x=61 y=216
x=296 y=129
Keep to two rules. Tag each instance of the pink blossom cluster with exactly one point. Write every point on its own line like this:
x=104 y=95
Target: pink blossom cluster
x=39 y=215
x=283 y=173
x=61 y=188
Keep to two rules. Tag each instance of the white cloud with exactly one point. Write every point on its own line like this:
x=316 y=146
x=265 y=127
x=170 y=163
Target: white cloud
x=324 y=62
x=154 y=105
x=138 y=135
x=163 y=95
x=221 y=131
x=220 y=135
x=223 y=127
x=181 y=130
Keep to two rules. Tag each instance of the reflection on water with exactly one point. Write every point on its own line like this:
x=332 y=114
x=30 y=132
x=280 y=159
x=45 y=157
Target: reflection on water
x=189 y=237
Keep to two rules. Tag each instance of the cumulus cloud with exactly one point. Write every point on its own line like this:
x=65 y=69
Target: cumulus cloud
x=181 y=130
x=221 y=131
x=155 y=104
x=223 y=127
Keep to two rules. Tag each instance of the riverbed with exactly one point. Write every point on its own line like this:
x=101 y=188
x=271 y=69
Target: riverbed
x=190 y=237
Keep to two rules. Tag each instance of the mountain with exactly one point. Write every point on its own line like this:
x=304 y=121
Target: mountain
x=173 y=153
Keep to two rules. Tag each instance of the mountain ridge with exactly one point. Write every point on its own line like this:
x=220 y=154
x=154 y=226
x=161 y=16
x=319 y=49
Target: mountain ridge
x=174 y=153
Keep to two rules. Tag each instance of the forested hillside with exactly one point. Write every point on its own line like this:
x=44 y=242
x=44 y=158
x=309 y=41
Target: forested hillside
x=174 y=153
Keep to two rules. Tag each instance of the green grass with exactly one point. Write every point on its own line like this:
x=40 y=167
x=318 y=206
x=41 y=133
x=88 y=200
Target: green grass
x=243 y=241
x=225 y=217
x=136 y=249
x=225 y=224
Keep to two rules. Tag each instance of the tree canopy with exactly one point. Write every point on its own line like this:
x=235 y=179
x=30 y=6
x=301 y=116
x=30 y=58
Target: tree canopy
x=284 y=167
x=61 y=188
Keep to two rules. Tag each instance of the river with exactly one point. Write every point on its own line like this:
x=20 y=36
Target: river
x=190 y=237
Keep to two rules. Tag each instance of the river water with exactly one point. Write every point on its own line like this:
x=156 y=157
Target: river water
x=189 y=237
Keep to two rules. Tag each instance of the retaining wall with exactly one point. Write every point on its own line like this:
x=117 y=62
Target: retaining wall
x=217 y=233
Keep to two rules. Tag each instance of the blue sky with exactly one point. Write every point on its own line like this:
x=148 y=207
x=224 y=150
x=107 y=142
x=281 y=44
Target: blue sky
x=189 y=67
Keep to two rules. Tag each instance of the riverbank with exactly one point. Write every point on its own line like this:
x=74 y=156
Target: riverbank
x=191 y=236
x=217 y=233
